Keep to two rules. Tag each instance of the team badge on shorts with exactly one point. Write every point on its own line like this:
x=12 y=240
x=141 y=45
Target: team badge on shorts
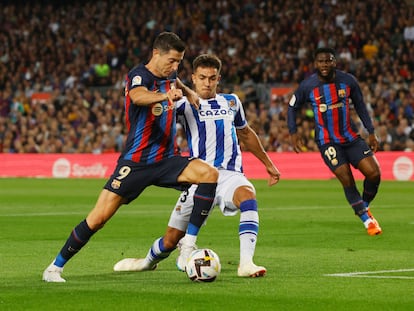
x=116 y=184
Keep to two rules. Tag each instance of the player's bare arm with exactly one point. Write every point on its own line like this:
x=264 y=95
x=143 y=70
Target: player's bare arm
x=249 y=138
x=192 y=96
x=141 y=96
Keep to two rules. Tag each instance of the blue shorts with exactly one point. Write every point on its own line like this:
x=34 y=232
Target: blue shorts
x=335 y=155
x=129 y=178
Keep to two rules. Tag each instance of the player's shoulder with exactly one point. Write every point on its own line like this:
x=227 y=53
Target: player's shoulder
x=138 y=69
x=309 y=82
x=229 y=97
x=139 y=75
x=345 y=76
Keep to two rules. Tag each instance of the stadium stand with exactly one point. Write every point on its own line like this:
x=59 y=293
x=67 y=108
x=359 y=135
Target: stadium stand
x=62 y=63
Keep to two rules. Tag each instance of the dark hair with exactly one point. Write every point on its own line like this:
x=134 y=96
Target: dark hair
x=323 y=50
x=207 y=60
x=167 y=41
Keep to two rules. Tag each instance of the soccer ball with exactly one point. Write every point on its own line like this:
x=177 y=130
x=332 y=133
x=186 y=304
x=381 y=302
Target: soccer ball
x=203 y=265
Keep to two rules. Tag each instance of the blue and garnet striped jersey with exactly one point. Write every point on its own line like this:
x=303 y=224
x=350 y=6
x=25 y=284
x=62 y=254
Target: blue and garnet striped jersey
x=331 y=104
x=151 y=128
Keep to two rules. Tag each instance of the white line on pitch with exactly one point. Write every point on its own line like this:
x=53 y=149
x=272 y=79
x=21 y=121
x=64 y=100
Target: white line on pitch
x=369 y=274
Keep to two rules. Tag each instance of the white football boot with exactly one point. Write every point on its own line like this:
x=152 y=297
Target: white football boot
x=53 y=274
x=184 y=252
x=250 y=270
x=133 y=264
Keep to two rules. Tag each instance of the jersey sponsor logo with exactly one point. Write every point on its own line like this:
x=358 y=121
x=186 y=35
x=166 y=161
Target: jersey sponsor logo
x=137 y=80
x=323 y=107
x=157 y=109
x=216 y=114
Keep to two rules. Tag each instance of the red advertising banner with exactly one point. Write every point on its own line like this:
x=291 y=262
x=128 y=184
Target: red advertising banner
x=394 y=165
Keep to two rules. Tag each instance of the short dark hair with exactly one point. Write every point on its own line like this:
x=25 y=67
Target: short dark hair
x=167 y=41
x=207 y=60
x=324 y=50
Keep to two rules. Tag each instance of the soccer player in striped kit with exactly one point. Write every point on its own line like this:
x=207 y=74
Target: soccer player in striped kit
x=331 y=93
x=150 y=155
x=213 y=133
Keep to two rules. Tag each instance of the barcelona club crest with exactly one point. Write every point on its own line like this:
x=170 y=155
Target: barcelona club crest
x=116 y=184
x=341 y=93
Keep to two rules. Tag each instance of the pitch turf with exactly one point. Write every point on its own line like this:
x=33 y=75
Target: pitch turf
x=309 y=240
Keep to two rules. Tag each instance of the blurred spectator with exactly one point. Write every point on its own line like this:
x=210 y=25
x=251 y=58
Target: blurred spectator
x=80 y=51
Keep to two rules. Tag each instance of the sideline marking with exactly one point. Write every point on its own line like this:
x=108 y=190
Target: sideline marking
x=369 y=274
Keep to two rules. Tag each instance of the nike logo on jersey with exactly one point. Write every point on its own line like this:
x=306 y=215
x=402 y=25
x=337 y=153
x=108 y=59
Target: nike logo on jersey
x=319 y=97
x=367 y=151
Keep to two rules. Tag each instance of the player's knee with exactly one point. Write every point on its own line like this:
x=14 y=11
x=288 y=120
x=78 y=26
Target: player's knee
x=242 y=194
x=375 y=176
x=208 y=174
x=95 y=223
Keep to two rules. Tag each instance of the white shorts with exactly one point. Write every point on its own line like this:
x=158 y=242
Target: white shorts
x=227 y=184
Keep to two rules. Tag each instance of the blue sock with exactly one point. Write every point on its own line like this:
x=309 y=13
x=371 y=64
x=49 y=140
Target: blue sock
x=364 y=217
x=192 y=229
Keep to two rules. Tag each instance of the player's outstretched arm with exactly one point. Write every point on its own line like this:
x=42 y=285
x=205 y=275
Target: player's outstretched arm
x=249 y=139
x=191 y=95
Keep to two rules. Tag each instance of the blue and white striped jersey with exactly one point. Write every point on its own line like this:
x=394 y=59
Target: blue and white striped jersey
x=211 y=130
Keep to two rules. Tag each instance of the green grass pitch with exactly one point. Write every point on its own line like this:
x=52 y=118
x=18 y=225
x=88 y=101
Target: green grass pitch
x=317 y=252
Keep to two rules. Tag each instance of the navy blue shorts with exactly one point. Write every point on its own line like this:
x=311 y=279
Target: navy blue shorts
x=129 y=178
x=335 y=155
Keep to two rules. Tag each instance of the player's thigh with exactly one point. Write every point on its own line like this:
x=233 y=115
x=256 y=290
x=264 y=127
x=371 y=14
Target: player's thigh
x=229 y=182
x=180 y=215
x=198 y=171
x=361 y=157
x=333 y=155
x=128 y=180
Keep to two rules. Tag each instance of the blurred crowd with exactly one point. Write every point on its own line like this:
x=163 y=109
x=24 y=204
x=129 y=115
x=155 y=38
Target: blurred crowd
x=78 y=52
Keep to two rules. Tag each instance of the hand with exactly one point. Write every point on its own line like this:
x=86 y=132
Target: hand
x=373 y=142
x=274 y=175
x=192 y=96
x=174 y=94
x=297 y=142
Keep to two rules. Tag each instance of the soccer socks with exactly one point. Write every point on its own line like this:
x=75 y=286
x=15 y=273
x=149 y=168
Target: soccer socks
x=248 y=229
x=203 y=202
x=370 y=190
x=157 y=252
x=79 y=236
x=357 y=204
